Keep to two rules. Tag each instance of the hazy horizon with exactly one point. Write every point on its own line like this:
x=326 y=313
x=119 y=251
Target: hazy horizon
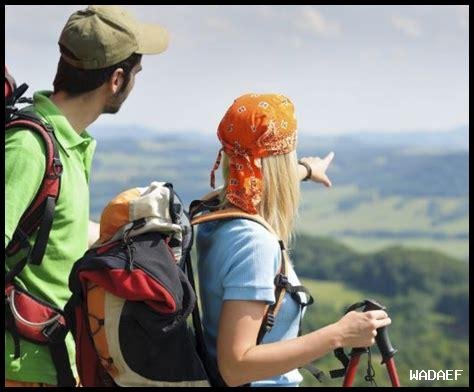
x=100 y=126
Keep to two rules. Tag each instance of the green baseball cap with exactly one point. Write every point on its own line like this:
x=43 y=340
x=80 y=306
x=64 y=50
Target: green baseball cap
x=103 y=35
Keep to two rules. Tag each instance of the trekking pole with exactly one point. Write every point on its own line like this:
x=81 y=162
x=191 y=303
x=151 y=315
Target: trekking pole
x=352 y=366
x=385 y=347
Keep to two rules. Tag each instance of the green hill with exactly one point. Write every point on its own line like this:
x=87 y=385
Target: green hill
x=368 y=221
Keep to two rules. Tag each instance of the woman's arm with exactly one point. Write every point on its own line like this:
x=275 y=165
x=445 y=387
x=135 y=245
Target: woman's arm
x=241 y=361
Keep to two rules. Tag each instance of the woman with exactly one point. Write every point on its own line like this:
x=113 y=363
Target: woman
x=239 y=258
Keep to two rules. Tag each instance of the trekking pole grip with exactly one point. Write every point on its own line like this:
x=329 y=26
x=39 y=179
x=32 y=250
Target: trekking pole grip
x=383 y=341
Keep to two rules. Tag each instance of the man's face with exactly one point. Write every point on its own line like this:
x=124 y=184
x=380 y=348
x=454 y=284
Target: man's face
x=114 y=102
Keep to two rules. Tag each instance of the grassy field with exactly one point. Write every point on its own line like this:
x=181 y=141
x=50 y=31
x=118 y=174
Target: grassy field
x=451 y=247
x=368 y=222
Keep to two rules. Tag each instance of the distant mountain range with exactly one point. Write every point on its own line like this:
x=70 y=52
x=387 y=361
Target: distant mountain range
x=454 y=139
x=457 y=138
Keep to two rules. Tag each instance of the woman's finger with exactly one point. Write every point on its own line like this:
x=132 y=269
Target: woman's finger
x=383 y=322
x=377 y=314
x=328 y=158
x=323 y=179
x=326 y=181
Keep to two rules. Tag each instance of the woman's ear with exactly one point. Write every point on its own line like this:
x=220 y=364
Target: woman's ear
x=116 y=80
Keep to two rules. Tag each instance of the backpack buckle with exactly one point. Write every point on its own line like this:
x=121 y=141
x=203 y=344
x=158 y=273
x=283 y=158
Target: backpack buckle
x=55 y=332
x=22 y=238
x=25 y=100
x=20 y=241
x=270 y=321
x=57 y=168
x=281 y=280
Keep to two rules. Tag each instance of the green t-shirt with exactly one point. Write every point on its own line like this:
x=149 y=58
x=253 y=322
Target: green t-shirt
x=24 y=171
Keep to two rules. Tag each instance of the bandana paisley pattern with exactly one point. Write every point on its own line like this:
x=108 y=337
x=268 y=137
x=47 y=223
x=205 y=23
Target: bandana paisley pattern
x=255 y=126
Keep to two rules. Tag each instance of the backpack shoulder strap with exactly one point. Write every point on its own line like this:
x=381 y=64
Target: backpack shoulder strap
x=231 y=213
x=39 y=214
x=280 y=279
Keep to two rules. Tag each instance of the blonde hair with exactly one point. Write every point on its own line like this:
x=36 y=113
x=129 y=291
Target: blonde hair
x=281 y=192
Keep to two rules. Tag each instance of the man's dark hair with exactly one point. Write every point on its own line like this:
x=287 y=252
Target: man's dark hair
x=75 y=81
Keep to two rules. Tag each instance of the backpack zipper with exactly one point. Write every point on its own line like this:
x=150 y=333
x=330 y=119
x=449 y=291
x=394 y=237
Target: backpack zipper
x=128 y=243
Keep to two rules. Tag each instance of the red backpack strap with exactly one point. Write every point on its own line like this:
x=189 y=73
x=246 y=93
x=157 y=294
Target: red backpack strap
x=39 y=214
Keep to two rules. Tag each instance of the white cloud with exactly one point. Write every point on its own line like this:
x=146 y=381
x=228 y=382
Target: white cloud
x=410 y=27
x=312 y=20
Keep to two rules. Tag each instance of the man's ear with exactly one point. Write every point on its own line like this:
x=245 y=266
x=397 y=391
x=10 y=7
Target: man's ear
x=116 y=80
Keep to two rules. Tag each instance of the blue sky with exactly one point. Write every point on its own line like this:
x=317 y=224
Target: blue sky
x=346 y=68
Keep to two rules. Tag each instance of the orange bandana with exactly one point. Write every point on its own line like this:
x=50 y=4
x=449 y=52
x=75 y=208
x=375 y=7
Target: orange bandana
x=255 y=126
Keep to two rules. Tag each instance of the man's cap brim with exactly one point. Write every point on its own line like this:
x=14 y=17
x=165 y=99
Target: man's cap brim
x=152 y=39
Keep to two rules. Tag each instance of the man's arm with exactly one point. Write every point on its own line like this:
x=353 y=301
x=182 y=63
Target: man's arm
x=25 y=166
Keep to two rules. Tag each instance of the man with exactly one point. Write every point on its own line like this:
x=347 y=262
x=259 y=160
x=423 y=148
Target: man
x=101 y=49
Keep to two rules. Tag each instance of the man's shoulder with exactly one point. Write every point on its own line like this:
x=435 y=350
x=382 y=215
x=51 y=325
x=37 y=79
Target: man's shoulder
x=23 y=141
